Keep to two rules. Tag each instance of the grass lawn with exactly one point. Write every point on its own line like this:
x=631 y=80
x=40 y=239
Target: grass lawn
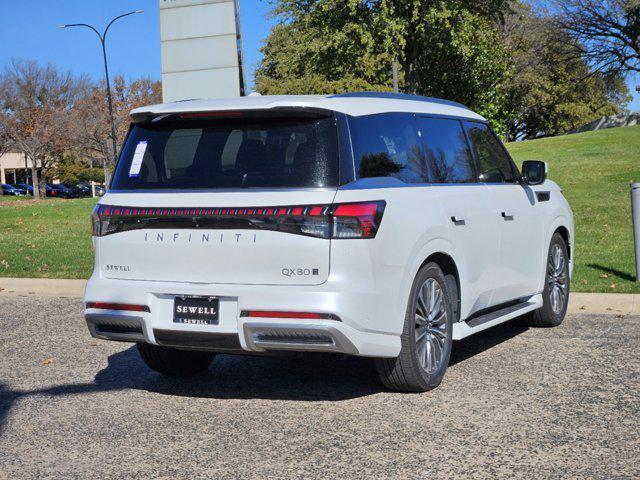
x=46 y=238
x=594 y=169
x=52 y=238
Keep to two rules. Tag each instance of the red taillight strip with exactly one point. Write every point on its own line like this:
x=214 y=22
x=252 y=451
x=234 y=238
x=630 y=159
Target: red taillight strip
x=118 y=306
x=292 y=211
x=287 y=314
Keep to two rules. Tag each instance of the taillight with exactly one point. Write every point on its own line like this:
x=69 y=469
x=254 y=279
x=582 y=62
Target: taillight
x=357 y=220
x=340 y=221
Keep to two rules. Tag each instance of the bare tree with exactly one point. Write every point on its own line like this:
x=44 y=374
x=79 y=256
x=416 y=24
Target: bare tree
x=35 y=106
x=92 y=134
x=607 y=32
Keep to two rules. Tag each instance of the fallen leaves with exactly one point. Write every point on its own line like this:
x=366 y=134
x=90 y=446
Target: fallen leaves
x=46 y=361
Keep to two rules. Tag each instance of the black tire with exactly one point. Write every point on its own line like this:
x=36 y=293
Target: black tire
x=546 y=316
x=171 y=361
x=406 y=372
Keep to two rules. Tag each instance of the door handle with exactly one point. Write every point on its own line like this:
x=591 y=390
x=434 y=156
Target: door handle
x=458 y=219
x=507 y=214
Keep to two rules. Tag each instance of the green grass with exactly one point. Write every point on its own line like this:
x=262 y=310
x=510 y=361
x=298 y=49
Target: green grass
x=46 y=238
x=594 y=169
x=52 y=238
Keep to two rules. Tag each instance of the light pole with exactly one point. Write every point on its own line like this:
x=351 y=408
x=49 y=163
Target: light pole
x=103 y=39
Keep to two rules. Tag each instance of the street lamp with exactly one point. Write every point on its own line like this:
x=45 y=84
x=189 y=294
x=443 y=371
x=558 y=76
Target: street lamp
x=103 y=38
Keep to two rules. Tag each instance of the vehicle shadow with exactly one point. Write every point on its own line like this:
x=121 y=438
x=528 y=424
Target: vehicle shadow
x=309 y=377
x=613 y=271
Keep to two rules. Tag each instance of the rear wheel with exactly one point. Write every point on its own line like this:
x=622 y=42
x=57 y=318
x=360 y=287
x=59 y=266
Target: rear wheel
x=555 y=295
x=171 y=361
x=426 y=338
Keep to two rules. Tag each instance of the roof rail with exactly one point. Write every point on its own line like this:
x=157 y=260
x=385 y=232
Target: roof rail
x=398 y=96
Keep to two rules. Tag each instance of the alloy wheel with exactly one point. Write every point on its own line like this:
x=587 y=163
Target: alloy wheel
x=557 y=279
x=430 y=325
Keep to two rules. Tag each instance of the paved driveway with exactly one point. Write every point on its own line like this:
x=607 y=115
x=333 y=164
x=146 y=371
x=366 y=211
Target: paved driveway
x=516 y=402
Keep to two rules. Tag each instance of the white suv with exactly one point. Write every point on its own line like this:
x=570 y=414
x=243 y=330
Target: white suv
x=372 y=224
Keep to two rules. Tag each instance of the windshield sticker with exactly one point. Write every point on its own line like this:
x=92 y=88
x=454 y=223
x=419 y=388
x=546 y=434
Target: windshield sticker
x=136 y=162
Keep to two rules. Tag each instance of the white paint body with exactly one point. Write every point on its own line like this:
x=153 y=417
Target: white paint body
x=366 y=283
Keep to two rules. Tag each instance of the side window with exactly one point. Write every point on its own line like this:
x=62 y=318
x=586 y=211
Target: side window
x=493 y=162
x=387 y=145
x=446 y=152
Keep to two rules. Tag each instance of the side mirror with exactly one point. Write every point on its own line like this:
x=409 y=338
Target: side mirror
x=534 y=172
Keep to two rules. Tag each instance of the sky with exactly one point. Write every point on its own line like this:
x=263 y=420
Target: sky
x=29 y=30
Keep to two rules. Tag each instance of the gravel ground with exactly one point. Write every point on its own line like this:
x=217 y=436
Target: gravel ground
x=515 y=403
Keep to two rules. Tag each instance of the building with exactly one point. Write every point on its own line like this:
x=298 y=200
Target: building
x=15 y=168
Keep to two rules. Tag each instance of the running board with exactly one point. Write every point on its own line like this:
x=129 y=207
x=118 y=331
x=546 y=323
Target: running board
x=464 y=329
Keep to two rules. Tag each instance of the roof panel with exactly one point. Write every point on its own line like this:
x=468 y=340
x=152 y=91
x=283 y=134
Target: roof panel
x=355 y=104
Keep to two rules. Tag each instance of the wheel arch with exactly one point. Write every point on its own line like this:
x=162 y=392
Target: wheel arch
x=450 y=270
x=564 y=233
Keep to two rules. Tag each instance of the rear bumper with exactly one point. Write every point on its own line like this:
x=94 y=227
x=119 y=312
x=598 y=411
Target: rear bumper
x=238 y=334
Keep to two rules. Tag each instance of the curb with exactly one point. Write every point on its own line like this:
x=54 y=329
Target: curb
x=58 y=287
x=600 y=303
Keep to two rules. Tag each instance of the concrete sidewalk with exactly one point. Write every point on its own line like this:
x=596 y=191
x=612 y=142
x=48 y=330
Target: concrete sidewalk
x=601 y=303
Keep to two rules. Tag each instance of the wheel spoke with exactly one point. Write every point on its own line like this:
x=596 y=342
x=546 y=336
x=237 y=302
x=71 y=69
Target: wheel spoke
x=420 y=333
x=421 y=307
x=421 y=348
x=440 y=318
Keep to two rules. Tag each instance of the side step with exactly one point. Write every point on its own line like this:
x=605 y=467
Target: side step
x=464 y=329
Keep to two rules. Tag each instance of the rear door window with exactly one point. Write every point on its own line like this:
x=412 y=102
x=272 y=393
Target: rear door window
x=230 y=153
x=446 y=151
x=494 y=164
x=387 y=145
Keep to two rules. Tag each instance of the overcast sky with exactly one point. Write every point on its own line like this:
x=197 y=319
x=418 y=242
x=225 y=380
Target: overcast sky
x=29 y=30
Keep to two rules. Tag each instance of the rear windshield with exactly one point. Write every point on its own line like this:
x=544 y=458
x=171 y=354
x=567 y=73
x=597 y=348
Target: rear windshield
x=230 y=153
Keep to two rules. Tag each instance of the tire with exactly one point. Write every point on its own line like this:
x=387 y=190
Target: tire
x=551 y=314
x=411 y=371
x=171 y=361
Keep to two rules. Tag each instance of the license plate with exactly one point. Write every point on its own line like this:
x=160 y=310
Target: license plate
x=196 y=310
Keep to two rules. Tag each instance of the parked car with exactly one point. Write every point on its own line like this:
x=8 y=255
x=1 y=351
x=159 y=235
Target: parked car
x=77 y=190
x=60 y=191
x=84 y=189
x=371 y=224
x=8 y=189
x=26 y=187
x=100 y=190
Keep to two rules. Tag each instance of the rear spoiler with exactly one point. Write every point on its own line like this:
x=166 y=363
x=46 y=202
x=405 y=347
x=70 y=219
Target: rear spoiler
x=141 y=117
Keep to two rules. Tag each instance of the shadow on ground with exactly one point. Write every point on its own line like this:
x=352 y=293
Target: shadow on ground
x=310 y=377
x=614 y=271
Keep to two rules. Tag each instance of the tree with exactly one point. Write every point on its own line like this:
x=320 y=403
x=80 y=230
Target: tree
x=5 y=141
x=92 y=130
x=552 y=94
x=450 y=49
x=34 y=106
x=606 y=32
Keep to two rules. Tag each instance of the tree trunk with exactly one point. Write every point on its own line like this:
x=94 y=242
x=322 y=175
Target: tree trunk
x=34 y=179
x=43 y=177
x=107 y=175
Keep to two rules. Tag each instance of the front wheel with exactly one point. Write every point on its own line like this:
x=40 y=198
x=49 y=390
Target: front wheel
x=426 y=337
x=555 y=296
x=171 y=361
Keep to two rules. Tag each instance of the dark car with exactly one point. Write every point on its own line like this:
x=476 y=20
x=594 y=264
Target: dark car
x=81 y=189
x=60 y=191
x=11 y=190
x=25 y=186
x=100 y=190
